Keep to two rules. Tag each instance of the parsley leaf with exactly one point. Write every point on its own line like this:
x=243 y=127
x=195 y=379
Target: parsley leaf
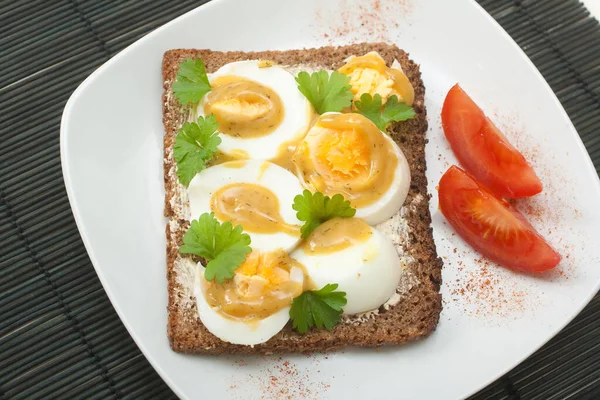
x=317 y=307
x=371 y=108
x=192 y=82
x=314 y=209
x=195 y=144
x=224 y=246
x=326 y=92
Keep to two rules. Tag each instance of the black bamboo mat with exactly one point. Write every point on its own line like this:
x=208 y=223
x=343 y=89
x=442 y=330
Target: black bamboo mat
x=59 y=335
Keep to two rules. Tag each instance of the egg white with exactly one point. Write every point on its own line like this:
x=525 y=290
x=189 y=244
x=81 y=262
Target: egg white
x=281 y=182
x=369 y=272
x=298 y=111
x=239 y=332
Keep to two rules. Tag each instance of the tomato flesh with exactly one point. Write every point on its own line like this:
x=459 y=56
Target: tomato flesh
x=492 y=226
x=483 y=150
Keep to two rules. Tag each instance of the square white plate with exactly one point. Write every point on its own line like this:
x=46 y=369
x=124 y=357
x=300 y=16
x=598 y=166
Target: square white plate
x=111 y=149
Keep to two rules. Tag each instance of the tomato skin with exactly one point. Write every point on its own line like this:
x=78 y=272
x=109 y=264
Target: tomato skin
x=483 y=150
x=492 y=226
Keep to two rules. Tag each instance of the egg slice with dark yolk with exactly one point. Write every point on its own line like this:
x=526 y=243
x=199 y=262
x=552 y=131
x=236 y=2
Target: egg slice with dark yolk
x=258 y=107
x=349 y=155
x=258 y=195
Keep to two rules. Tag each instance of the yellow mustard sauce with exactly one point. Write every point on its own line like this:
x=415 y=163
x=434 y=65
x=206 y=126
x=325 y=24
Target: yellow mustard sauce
x=253 y=206
x=285 y=155
x=337 y=234
x=235 y=155
x=263 y=168
x=244 y=108
x=236 y=164
x=260 y=288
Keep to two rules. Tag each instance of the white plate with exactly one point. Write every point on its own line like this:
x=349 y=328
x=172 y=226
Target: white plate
x=111 y=148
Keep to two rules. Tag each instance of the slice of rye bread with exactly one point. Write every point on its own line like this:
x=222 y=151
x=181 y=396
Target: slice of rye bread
x=414 y=316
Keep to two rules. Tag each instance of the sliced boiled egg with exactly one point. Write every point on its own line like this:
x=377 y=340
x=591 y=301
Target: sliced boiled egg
x=349 y=155
x=253 y=306
x=258 y=107
x=360 y=259
x=369 y=74
x=258 y=195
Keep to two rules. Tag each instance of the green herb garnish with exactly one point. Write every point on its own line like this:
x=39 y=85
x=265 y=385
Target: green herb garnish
x=371 y=108
x=314 y=209
x=195 y=144
x=224 y=246
x=320 y=308
x=326 y=92
x=192 y=82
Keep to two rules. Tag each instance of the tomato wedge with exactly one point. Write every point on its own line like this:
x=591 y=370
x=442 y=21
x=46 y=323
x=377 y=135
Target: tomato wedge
x=483 y=150
x=492 y=226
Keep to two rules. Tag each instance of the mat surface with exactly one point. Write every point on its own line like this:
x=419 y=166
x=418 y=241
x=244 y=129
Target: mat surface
x=59 y=335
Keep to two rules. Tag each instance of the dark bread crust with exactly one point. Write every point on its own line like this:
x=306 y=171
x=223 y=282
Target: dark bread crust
x=414 y=317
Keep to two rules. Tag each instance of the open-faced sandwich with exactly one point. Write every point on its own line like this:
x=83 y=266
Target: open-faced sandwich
x=296 y=199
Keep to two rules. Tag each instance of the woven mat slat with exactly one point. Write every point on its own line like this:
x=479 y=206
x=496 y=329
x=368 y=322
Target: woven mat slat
x=59 y=335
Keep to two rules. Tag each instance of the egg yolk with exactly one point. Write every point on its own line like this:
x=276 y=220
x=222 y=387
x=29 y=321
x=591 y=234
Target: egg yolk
x=260 y=287
x=272 y=266
x=367 y=80
x=369 y=74
x=244 y=108
x=349 y=155
x=345 y=153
